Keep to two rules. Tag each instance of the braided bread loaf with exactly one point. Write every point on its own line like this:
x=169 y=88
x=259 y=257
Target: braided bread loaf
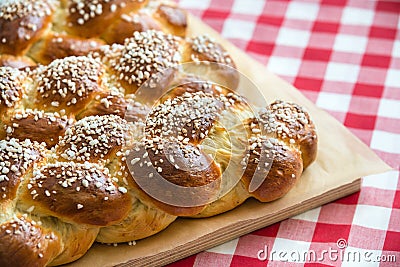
x=82 y=150
x=48 y=29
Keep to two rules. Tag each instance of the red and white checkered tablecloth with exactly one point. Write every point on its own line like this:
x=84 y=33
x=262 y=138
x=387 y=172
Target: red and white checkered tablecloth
x=344 y=55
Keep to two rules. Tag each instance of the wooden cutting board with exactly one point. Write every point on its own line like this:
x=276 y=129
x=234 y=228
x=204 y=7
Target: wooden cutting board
x=342 y=159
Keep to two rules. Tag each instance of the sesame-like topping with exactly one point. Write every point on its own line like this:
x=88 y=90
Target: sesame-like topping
x=82 y=192
x=173 y=131
x=37 y=125
x=184 y=118
x=69 y=80
x=260 y=142
x=172 y=14
x=143 y=55
x=85 y=10
x=284 y=118
x=20 y=227
x=209 y=49
x=93 y=137
x=14 y=9
x=10 y=86
x=16 y=157
x=70 y=174
x=88 y=9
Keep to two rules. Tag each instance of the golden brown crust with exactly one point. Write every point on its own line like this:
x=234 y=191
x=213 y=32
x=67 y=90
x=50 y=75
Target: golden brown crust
x=22 y=23
x=37 y=126
x=77 y=240
x=80 y=193
x=83 y=183
x=172 y=210
x=231 y=200
x=173 y=18
x=136 y=111
x=34 y=27
x=16 y=158
x=292 y=124
x=144 y=219
x=309 y=147
x=11 y=88
x=127 y=25
x=173 y=131
x=93 y=139
x=31 y=244
x=286 y=168
x=106 y=103
x=56 y=46
x=68 y=83
x=190 y=83
x=204 y=48
x=88 y=18
x=179 y=165
x=142 y=56
x=178 y=210
x=17 y=62
x=272 y=166
x=202 y=171
x=186 y=119
x=174 y=128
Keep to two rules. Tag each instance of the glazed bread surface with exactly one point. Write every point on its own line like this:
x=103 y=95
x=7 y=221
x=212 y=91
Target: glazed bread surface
x=44 y=30
x=115 y=142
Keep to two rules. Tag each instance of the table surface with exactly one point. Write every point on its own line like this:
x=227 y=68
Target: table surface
x=344 y=55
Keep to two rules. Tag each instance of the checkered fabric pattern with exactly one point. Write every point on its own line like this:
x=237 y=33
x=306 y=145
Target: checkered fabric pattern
x=344 y=55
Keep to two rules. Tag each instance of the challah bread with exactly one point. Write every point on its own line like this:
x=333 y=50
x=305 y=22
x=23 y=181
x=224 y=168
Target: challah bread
x=48 y=29
x=92 y=151
x=71 y=88
x=33 y=240
x=222 y=125
x=82 y=147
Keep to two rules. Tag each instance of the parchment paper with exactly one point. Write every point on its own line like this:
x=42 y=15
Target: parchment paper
x=342 y=160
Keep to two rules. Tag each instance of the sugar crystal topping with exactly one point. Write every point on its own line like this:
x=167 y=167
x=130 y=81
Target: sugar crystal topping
x=204 y=44
x=15 y=9
x=93 y=136
x=143 y=55
x=39 y=114
x=16 y=156
x=183 y=117
x=186 y=118
x=71 y=174
x=50 y=117
x=10 y=86
x=284 y=118
x=22 y=225
x=69 y=78
x=89 y=9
